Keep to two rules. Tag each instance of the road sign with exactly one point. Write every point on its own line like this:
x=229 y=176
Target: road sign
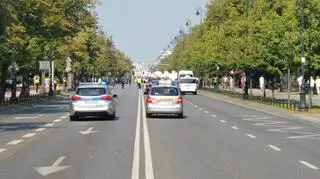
x=44 y=65
x=68 y=69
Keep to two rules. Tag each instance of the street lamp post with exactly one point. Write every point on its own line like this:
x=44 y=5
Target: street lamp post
x=200 y=14
x=302 y=104
x=189 y=26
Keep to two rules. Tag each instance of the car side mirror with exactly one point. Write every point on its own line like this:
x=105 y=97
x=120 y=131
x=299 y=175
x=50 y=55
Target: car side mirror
x=114 y=95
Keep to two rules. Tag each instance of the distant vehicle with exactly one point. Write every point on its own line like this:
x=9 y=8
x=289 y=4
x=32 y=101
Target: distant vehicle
x=164 y=100
x=185 y=73
x=93 y=100
x=188 y=85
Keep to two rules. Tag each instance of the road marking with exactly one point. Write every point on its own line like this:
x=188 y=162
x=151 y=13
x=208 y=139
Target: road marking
x=63 y=117
x=274 y=147
x=57 y=120
x=147 y=150
x=2 y=150
x=223 y=121
x=29 y=135
x=305 y=135
x=309 y=165
x=47 y=170
x=49 y=125
x=40 y=129
x=195 y=106
x=200 y=109
x=136 y=152
x=191 y=103
x=235 y=127
x=31 y=117
x=88 y=131
x=252 y=136
x=213 y=115
x=14 y=142
x=207 y=112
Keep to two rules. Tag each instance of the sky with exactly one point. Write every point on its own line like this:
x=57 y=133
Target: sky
x=143 y=28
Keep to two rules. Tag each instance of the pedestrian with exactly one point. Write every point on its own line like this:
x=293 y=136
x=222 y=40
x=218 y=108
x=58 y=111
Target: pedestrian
x=312 y=83
x=318 y=85
x=299 y=81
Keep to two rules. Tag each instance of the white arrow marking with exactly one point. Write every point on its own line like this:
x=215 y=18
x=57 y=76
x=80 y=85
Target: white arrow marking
x=89 y=131
x=47 y=170
x=32 y=117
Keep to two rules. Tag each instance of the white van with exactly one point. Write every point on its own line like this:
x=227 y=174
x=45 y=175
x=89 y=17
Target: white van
x=188 y=85
x=185 y=73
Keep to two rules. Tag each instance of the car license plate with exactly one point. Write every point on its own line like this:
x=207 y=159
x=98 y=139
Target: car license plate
x=90 y=102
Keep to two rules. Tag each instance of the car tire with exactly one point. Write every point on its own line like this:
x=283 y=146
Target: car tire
x=73 y=118
x=195 y=93
x=113 y=116
x=180 y=116
x=148 y=115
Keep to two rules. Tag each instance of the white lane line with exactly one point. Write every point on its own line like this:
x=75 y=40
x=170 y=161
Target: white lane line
x=195 y=106
x=49 y=125
x=207 y=112
x=2 y=150
x=252 y=136
x=213 y=115
x=200 y=109
x=274 y=147
x=191 y=103
x=29 y=135
x=31 y=117
x=57 y=120
x=14 y=142
x=63 y=117
x=309 y=165
x=223 y=121
x=40 y=129
x=147 y=151
x=136 y=152
x=235 y=127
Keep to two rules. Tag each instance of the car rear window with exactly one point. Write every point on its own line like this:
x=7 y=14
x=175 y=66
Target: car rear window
x=91 y=91
x=188 y=81
x=164 y=91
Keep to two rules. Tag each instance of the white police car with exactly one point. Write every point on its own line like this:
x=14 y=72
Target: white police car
x=93 y=100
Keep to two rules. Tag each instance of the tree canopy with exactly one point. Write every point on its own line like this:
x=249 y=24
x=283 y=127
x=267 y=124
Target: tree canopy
x=265 y=39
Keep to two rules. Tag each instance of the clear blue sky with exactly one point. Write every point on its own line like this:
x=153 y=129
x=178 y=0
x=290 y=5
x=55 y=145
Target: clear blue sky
x=142 y=28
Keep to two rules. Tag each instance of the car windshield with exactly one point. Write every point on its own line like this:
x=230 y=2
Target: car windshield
x=91 y=91
x=188 y=81
x=164 y=91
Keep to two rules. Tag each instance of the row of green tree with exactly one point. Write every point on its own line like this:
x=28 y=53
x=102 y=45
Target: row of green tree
x=51 y=30
x=262 y=36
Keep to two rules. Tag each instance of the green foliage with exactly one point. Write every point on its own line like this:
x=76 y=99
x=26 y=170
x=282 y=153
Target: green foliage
x=268 y=39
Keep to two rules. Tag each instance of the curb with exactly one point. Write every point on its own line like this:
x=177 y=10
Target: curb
x=287 y=116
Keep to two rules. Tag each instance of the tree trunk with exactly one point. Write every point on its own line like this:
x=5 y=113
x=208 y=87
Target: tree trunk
x=25 y=91
x=4 y=75
x=273 y=87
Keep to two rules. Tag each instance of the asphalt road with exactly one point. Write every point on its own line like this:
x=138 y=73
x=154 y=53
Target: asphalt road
x=214 y=140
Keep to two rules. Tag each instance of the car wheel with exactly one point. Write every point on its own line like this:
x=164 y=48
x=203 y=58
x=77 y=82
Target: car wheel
x=73 y=118
x=148 y=115
x=113 y=116
x=195 y=93
x=180 y=115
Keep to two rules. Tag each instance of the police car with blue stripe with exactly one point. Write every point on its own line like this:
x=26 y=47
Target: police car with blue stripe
x=93 y=100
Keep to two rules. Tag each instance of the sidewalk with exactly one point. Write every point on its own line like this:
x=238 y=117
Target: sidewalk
x=282 y=95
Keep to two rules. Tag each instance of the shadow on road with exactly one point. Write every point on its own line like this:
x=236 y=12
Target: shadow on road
x=90 y=119
x=20 y=126
x=167 y=117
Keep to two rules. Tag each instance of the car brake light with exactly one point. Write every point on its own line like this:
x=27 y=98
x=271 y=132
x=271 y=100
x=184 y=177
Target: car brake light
x=149 y=100
x=180 y=100
x=75 y=98
x=107 y=98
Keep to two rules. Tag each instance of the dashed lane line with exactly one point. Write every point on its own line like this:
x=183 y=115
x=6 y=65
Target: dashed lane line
x=235 y=127
x=57 y=120
x=207 y=112
x=63 y=117
x=14 y=142
x=40 y=129
x=213 y=115
x=252 y=136
x=29 y=135
x=223 y=121
x=195 y=106
x=309 y=165
x=200 y=109
x=274 y=147
x=49 y=125
x=2 y=150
